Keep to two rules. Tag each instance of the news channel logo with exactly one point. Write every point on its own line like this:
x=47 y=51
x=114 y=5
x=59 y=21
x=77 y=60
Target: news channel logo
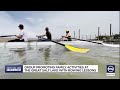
x=110 y=70
x=13 y=68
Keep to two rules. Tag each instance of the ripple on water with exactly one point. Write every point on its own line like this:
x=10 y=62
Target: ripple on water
x=58 y=55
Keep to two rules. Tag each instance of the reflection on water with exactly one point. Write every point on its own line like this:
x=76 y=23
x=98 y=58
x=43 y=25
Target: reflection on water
x=21 y=54
x=41 y=49
x=46 y=55
x=58 y=55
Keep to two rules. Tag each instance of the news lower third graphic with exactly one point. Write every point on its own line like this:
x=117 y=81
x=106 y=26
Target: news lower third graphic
x=14 y=68
x=50 y=68
x=110 y=69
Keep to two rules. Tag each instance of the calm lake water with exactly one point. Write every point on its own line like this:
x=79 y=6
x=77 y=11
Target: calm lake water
x=57 y=55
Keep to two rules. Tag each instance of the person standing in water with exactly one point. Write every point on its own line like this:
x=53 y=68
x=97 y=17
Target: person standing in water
x=22 y=37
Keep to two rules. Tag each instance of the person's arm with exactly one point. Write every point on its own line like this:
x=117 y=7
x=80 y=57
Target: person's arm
x=63 y=36
x=67 y=35
x=19 y=36
x=41 y=35
x=44 y=35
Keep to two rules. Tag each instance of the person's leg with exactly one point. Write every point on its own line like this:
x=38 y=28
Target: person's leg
x=47 y=40
x=69 y=39
x=64 y=39
x=15 y=40
x=43 y=39
x=21 y=40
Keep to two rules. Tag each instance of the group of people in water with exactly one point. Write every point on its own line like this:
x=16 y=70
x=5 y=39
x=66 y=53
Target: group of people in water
x=22 y=37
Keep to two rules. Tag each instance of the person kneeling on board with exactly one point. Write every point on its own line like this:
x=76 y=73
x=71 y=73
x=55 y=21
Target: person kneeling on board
x=47 y=34
x=22 y=37
x=67 y=37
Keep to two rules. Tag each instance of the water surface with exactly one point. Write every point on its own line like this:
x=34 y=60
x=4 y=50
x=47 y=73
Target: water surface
x=57 y=55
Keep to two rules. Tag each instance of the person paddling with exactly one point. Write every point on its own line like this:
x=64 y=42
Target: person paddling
x=67 y=37
x=47 y=34
x=22 y=37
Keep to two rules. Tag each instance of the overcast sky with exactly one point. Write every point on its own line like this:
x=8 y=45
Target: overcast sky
x=58 y=21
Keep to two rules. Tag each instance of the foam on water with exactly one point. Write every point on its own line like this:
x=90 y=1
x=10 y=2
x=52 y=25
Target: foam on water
x=111 y=45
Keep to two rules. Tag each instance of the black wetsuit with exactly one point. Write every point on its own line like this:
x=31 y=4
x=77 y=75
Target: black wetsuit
x=49 y=36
